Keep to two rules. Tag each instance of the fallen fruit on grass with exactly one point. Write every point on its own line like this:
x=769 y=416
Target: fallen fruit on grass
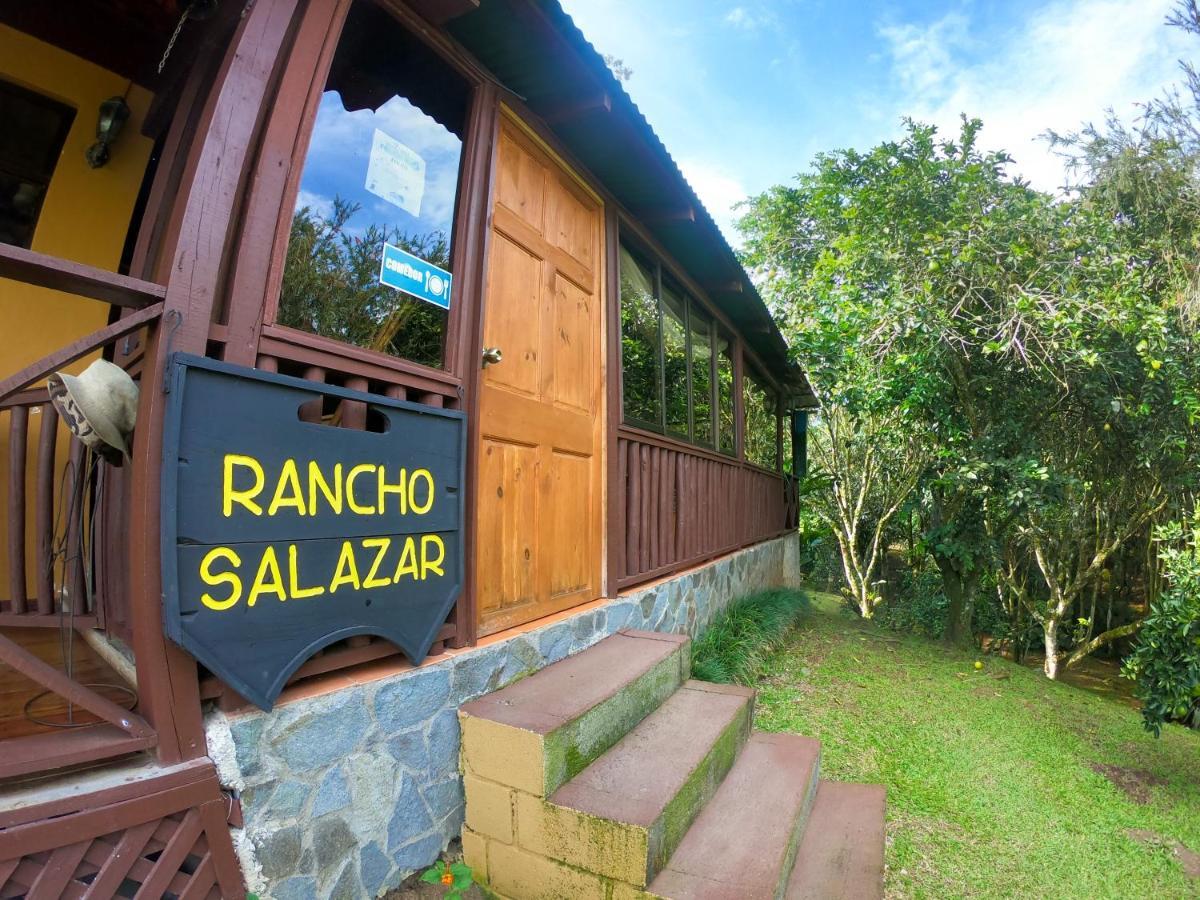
x=978 y=665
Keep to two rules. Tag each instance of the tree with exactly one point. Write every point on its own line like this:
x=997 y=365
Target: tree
x=1024 y=339
x=1166 y=660
x=331 y=286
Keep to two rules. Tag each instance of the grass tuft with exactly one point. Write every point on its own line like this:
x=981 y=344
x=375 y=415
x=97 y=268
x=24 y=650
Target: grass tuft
x=736 y=646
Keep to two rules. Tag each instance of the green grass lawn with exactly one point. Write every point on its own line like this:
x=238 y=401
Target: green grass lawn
x=992 y=781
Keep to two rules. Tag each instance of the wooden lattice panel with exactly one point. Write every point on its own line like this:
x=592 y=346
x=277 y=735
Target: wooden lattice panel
x=158 y=844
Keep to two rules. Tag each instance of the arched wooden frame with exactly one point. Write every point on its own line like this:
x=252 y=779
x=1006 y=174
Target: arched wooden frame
x=245 y=325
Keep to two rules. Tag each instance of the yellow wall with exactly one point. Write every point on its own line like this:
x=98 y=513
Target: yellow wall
x=85 y=217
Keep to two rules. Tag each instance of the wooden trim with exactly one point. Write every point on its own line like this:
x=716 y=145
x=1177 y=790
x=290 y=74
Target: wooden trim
x=643 y=436
x=316 y=350
x=45 y=752
x=43 y=270
x=474 y=241
x=64 y=356
x=257 y=278
x=614 y=507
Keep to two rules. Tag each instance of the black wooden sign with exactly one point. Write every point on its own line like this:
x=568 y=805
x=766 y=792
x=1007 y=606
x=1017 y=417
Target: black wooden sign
x=282 y=536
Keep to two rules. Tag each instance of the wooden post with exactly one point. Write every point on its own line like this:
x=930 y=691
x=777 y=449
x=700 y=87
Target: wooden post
x=208 y=200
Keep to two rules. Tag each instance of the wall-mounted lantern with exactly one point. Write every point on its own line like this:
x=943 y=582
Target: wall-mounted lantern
x=114 y=112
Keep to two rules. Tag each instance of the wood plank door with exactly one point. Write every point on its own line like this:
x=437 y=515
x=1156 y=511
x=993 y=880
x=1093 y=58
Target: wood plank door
x=540 y=505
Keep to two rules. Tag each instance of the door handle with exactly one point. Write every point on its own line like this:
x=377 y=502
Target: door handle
x=491 y=356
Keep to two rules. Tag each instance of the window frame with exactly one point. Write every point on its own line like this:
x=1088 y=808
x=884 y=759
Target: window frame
x=663 y=275
x=753 y=373
x=309 y=79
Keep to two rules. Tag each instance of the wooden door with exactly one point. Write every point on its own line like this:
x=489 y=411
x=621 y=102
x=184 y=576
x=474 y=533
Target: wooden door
x=539 y=508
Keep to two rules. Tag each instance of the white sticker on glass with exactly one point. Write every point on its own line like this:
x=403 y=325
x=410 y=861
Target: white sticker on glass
x=396 y=173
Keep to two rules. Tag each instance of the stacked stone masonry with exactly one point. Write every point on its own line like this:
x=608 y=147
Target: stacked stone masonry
x=347 y=793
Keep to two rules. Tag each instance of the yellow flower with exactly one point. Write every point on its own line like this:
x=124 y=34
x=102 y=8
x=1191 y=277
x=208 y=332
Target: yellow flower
x=447 y=877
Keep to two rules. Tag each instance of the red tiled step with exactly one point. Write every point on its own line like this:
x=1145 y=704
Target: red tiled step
x=841 y=854
x=742 y=845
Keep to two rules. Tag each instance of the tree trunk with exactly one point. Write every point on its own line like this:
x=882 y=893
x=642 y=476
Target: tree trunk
x=1050 y=628
x=960 y=590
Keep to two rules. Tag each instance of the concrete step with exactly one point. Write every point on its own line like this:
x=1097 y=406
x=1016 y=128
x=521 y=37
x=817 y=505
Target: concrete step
x=540 y=732
x=841 y=853
x=625 y=814
x=742 y=845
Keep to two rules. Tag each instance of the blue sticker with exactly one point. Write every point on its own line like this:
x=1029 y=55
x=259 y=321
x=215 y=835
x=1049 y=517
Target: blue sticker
x=415 y=276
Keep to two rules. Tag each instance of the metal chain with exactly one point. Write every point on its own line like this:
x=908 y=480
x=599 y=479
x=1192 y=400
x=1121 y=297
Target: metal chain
x=174 y=37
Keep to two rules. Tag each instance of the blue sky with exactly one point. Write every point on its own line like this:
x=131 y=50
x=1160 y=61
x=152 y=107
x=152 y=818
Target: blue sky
x=745 y=92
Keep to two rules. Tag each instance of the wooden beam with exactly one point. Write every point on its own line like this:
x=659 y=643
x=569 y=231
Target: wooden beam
x=557 y=113
x=47 y=271
x=666 y=215
x=734 y=286
x=439 y=12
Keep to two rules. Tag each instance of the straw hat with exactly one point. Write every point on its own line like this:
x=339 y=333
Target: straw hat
x=99 y=406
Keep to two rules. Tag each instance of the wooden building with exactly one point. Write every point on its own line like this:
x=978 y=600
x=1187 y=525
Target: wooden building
x=625 y=400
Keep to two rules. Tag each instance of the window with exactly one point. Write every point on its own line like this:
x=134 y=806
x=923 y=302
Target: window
x=762 y=418
x=668 y=366
x=726 y=429
x=640 y=363
x=702 y=377
x=382 y=166
x=675 y=361
x=33 y=130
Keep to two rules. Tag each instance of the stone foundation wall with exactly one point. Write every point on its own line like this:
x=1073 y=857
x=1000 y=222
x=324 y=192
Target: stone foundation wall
x=345 y=794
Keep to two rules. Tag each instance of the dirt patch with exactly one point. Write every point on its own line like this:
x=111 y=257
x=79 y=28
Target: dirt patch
x=1188 y=859
x=1134 y=783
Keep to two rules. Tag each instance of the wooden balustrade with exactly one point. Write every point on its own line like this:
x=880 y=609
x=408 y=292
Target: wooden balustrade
x=60 y=514
x=681 y=505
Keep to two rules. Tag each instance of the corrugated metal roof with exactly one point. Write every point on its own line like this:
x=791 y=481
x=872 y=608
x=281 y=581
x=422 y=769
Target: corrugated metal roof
x=535 y=49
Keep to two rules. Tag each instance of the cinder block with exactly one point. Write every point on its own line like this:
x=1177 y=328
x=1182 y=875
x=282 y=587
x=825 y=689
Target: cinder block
x=514 y=872
x=475 y=853
x=503 y=754
x=489 y=807
x=614 y=849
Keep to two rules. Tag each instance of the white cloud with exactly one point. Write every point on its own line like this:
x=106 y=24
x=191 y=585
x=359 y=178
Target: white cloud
x=1066 y=64
x=718 y=190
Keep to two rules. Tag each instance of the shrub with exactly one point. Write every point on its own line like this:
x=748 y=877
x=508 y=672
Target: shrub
x=735 y=646
x=918 y=605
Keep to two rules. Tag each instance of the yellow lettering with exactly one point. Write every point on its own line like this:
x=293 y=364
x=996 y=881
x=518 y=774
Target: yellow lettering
x=398 y=489
x=382 y=543
x=229 y=578
x=289 y=478
x=316 y=481
x=408 y=561
x=296 y=592
x=347 y=568
x=350 y=501
x=246 y=497
x=268 y=565
x=428 y=563
x=412 y=491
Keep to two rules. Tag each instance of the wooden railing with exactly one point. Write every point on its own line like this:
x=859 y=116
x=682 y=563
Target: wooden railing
x=52 y=496
x=681 y=505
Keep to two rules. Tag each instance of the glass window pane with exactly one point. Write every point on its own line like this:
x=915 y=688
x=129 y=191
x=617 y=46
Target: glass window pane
x=33 y=131
x=382 y=166
x=640 y=370
x=725 y=425
x=675 y=360
x=761 y=416
x=702 y=423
